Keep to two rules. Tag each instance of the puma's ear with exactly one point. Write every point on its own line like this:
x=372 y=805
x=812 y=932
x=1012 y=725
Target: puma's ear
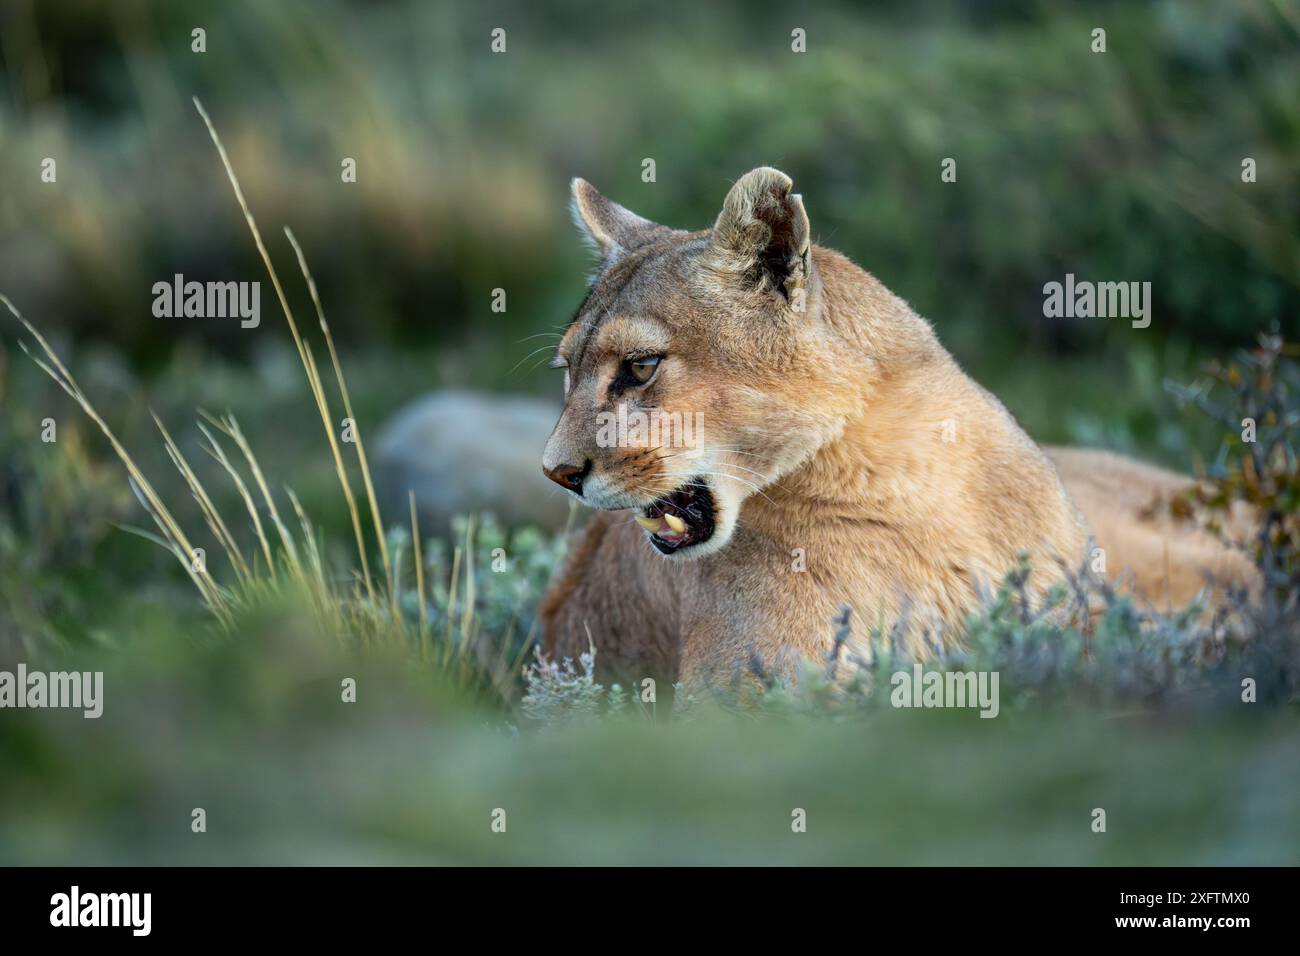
x=763 y=233
x=612 y=229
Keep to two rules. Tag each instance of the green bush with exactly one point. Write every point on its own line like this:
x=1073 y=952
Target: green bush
x=1123 y=166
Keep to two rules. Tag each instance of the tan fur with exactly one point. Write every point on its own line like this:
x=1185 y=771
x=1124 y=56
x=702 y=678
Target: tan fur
x=837 y=428
x=1167 y=562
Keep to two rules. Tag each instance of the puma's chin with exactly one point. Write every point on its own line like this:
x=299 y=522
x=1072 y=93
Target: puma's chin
x=689 y=522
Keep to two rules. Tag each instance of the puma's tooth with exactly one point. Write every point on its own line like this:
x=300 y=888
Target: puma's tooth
x=676 y=523
x=650 y=524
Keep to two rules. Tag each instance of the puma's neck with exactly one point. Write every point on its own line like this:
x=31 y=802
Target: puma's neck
x=896 y=386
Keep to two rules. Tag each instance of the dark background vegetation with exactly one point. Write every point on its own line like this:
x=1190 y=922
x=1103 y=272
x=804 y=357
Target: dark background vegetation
x=1117 y=166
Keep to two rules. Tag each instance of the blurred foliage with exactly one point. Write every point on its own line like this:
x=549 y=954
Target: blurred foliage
x=254 y=732
x=1124 y=165
x=1258 y=467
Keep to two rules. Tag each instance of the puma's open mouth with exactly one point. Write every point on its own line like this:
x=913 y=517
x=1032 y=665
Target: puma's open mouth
x=681 y=518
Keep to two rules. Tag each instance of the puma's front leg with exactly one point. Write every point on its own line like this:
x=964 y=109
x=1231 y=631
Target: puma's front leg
x=734 y=649
x=609 y=595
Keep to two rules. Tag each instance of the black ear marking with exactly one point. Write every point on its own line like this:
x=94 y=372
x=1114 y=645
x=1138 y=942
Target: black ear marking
x=783 y=262
x=763 y=232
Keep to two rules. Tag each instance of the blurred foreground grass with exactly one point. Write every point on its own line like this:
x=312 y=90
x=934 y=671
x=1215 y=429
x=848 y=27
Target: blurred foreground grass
x=254 y=732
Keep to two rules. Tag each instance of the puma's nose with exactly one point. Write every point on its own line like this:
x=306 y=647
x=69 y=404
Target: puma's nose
x=569 y=476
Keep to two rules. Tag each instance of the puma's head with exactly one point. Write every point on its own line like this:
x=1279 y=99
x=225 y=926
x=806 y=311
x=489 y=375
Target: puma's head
x=700 y=368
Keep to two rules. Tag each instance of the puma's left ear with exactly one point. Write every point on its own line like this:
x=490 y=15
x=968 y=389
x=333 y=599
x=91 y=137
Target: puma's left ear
x=612 y=229
x=763 y=233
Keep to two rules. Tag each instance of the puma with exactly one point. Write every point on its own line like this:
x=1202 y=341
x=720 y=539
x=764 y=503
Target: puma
x=842 y=458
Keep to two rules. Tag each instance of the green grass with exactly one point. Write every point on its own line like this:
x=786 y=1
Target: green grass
x=253 y=730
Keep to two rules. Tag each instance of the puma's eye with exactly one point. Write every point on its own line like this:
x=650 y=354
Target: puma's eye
x=641 y=370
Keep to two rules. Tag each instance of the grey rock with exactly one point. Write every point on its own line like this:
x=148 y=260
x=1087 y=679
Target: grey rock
x=464 y=452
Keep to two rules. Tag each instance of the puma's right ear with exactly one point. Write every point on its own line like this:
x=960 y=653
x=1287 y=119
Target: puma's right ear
x=612 y=229
x=762 y=232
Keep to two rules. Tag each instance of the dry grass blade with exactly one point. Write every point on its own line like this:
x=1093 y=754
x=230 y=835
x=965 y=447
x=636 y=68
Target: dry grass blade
x=230 y=427
x=158 y=511
x=339 y=468
x=304 y=353
x=467 y=616
x=362 y=459
x=419 y=572
x=449 y=638
x=321 y=594
x=210 y=513
x=219 y=455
